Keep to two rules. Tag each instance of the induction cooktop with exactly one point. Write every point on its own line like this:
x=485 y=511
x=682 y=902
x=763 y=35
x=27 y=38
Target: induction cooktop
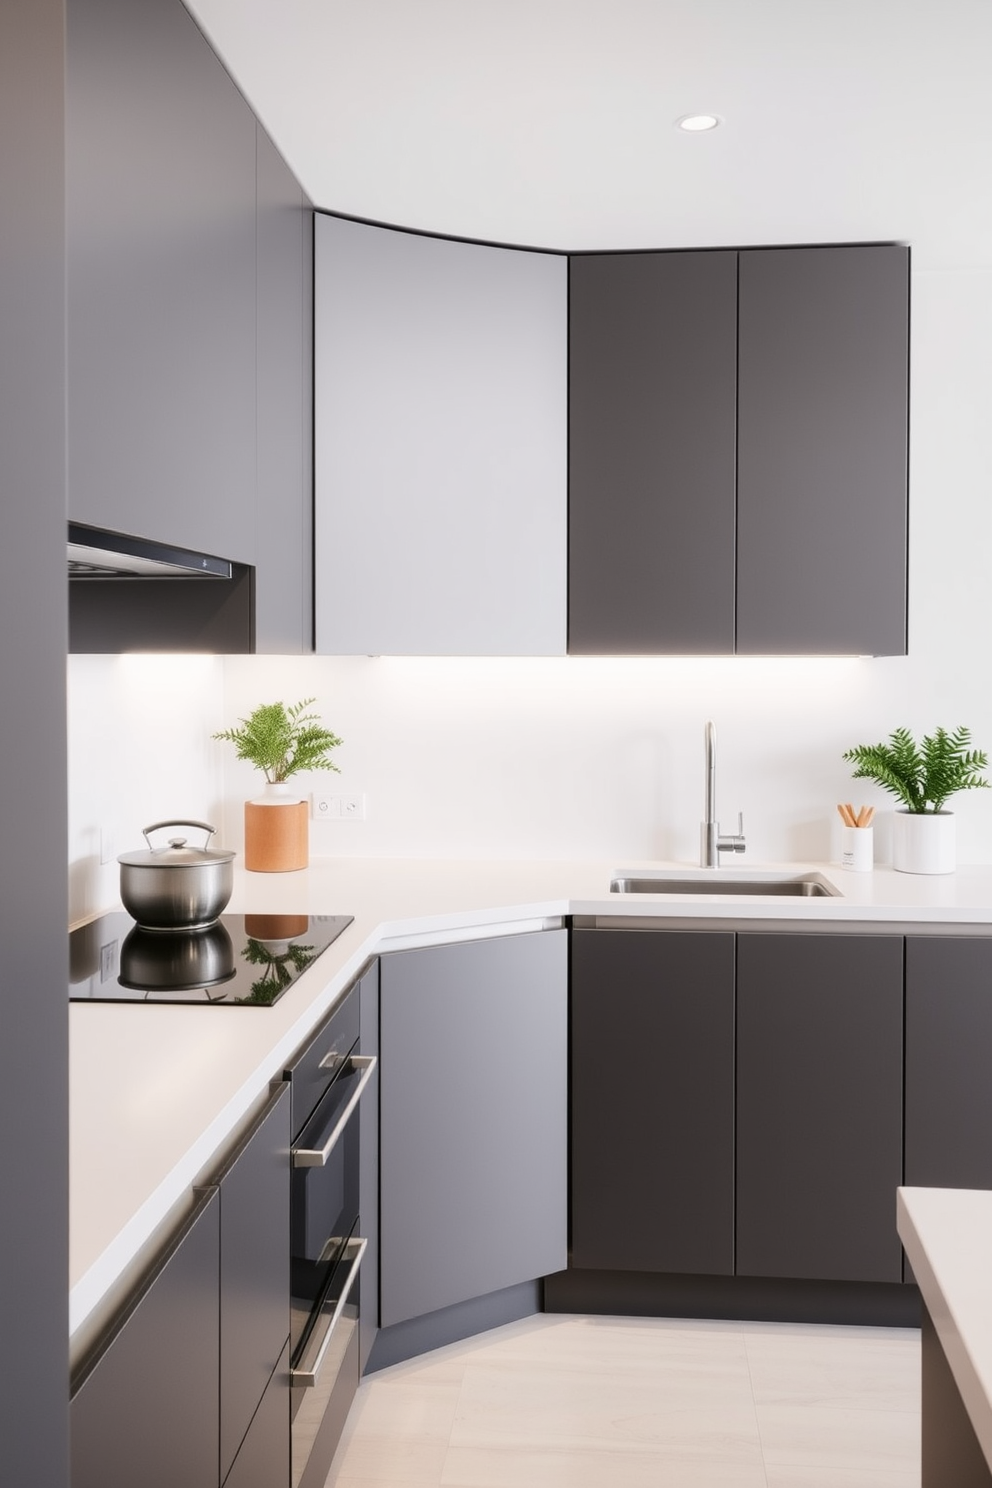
x=239 y=961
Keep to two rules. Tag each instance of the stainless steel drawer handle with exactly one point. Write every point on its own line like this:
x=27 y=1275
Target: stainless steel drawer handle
x=308 y=1374
x=316 y=1157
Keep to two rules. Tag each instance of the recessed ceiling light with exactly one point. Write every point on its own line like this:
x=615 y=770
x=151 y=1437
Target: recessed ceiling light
x=697 y=123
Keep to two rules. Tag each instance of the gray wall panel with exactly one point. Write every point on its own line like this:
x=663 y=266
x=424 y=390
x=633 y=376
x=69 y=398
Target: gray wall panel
x=33 y=909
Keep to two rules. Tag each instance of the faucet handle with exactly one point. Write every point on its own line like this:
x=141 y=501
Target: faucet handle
x=736 y=842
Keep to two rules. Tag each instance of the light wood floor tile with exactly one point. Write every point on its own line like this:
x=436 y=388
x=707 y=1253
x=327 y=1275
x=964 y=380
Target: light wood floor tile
x=591 y=1402
x=821 y=1436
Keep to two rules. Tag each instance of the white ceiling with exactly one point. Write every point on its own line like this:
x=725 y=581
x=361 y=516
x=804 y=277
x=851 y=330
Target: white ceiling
x=551 y=122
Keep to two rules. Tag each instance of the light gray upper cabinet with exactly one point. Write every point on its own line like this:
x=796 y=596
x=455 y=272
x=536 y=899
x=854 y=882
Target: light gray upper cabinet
x=440 y=445
x=822 y=450
x=473 y=1136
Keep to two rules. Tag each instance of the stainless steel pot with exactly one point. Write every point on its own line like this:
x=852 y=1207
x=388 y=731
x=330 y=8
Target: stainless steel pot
x=176 y=887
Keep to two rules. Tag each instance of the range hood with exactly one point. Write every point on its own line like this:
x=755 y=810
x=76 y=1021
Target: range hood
x=97 y=554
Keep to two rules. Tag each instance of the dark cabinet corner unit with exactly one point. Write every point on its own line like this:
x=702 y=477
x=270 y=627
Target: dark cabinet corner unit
x=652 y=1074
x=819 y=1105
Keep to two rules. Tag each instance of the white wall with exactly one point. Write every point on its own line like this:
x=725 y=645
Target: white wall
x=587 y=756
x=139 y=752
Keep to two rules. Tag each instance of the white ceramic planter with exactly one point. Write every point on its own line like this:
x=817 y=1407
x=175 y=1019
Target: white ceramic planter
x=923 y=842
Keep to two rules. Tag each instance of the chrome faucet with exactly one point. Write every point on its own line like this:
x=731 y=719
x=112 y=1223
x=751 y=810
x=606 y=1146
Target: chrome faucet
x=711 y=844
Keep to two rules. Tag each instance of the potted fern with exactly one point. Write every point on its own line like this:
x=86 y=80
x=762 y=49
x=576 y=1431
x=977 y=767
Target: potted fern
x=922 y=777
x=281 y=742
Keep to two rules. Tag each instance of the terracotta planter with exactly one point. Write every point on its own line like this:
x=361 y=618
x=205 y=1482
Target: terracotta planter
x=923 y=842
x=277 y=831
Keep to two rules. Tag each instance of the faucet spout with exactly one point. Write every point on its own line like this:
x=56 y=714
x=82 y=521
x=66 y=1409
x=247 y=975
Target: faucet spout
x=711 y=844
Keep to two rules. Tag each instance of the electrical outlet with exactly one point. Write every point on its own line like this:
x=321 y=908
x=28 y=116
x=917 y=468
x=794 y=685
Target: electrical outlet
x=337 y=807
x=108 y=844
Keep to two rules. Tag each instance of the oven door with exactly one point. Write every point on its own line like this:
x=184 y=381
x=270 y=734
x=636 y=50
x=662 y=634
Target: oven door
x=326 y=1254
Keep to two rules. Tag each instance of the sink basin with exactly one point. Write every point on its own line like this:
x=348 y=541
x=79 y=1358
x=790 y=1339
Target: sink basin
x=791 y=886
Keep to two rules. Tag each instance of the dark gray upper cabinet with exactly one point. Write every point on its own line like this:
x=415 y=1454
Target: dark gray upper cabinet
x=738 y=452
x=473 y=1143
x=652 y=410
x=189 y=331
x=161 y=280
x=819 y=1106
x=652 y=1070
x=822 y=450
x=948 y=1060
x=145 y=1407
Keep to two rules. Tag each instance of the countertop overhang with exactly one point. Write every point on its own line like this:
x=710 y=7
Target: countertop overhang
x=156 y=1092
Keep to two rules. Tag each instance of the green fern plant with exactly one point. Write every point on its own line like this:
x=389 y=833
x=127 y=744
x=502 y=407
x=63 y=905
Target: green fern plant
x=922 y=776
x=283 y=741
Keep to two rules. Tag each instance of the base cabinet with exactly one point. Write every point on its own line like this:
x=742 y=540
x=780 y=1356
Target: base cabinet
x=652 y=1070
x=190 y=1384
x=158 y=1368
x=819 y=1106
x=473 y=1142
x=948 y=1059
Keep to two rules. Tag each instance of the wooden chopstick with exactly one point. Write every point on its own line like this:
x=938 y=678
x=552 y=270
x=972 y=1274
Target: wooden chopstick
x=850 y=818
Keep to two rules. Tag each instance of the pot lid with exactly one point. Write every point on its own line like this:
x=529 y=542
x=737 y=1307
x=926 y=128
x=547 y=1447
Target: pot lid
x=176 y=853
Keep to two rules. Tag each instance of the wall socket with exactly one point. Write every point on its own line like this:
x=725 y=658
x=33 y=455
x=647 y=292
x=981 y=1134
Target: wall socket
x=327 y=807
x=108 y=844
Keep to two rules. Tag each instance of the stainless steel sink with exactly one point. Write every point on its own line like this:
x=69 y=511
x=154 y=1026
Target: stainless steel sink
x=798 y=886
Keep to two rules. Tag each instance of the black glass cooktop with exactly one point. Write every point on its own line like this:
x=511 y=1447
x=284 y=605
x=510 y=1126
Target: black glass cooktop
x=240 y=961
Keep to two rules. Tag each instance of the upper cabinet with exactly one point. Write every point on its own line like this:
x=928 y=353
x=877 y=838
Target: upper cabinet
x=188 y=308
x=738 y=451
x=440 y=445
x=822 y=451
x=652 y=414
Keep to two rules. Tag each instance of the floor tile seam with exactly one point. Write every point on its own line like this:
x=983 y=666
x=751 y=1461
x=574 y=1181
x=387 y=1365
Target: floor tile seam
x=754 y=1407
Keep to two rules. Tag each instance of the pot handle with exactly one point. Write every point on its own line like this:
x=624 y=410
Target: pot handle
x=179 y=822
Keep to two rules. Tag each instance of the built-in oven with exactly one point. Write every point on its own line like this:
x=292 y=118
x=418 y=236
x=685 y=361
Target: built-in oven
x=327 y=1081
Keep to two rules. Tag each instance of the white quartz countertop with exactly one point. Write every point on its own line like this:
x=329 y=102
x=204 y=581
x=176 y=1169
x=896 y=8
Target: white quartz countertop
x=155 y=1091
x=947 y=1234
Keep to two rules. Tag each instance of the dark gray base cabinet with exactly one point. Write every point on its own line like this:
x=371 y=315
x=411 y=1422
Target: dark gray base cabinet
x=819 y=1106
x=949 y=1062
x=736 y=1104
x=147 y=1410
x=190 y=1385
x=738 y=426
x=652 y=1072
x=473 y=1111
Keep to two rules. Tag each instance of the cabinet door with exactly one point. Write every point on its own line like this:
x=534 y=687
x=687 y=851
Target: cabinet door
x=652 y=1067
x=473 y=1110
x=652 y=395
x=948 y=1060
x=822 y=450
x=160 y=165
x=284 y=296
x=254 y=1273
x=263 y=1459
x=440 y=445
x=819 y=1105
x=368 y=1183
x=145 y=1409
